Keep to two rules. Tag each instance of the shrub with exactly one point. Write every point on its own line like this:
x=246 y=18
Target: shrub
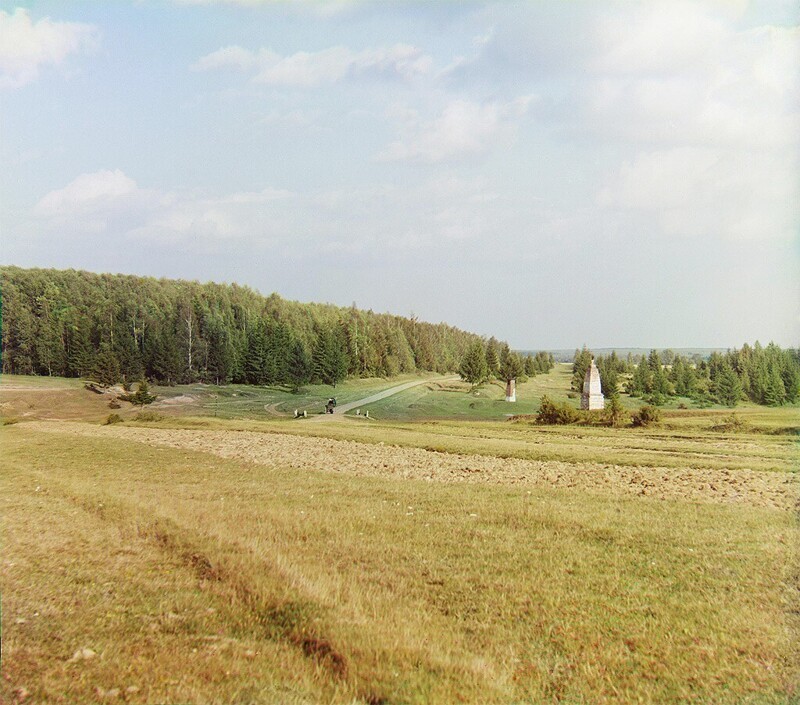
x=655 y=399
x=148 y=416
x=552 y=413
x=614 y=412
x=646 y=416
x=114 y=404
x=731 y=424
x=112 y=418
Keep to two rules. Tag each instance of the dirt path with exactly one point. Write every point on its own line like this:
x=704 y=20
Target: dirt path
x=763 y=489
x=342 y=409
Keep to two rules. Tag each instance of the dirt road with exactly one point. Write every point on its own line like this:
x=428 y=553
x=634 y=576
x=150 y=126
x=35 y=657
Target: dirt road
x=342 y=409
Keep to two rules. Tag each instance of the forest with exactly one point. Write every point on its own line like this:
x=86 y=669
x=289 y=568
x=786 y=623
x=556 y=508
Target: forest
x=117 y=328
x=763 y=375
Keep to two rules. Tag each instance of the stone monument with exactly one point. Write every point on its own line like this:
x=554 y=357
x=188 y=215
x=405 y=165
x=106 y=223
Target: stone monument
x=592 y=397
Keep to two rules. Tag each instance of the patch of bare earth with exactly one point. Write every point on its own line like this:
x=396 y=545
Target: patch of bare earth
x=765 y=489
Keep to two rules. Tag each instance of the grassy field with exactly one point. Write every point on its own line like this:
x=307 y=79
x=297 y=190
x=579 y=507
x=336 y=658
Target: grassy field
x=272 y=560
x=440 y=398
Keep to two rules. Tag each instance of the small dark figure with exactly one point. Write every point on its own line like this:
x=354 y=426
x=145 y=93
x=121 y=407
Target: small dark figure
x=330 y=405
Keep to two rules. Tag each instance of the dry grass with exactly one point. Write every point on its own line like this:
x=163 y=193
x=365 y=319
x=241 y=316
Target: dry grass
x=313 y=586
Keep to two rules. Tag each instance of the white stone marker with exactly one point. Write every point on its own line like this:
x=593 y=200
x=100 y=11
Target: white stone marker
x=592 y=397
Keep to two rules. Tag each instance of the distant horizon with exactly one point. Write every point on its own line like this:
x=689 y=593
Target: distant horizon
x=592 y=171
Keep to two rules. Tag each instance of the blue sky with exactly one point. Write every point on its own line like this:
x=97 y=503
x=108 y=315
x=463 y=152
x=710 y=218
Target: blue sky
x=552 y=173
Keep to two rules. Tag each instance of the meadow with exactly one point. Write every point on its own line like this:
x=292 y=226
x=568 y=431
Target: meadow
x=436 y=553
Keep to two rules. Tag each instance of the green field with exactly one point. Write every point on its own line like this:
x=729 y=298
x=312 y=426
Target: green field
x=436 y=553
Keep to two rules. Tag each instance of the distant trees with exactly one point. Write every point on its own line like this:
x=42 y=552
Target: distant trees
x=118 y=327
x=540 y=363
x=764 y=375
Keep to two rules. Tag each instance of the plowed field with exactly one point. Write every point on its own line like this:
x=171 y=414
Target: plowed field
x=764 y=489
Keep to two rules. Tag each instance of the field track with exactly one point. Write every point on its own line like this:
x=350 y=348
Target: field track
x=719 y=486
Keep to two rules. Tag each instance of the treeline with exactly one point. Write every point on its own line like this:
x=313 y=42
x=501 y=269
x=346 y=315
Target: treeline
x=119 y=327
x=495 y=360
x=764 y=375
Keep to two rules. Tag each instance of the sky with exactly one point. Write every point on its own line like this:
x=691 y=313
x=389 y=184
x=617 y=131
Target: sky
x=551 y=173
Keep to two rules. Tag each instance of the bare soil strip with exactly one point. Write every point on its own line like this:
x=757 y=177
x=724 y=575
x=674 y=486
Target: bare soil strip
x=719 y=486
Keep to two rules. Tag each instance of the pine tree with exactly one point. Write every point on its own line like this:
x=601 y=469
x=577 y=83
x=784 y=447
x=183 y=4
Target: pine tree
x=641 y=382
x=530 y=365
x=607 y=367
x=492 y=358
x=511 y=366
x=299 y=366
x=142 y=395
x=473 y=367
x=727 y=387
x=106 y=368
x=581 y=362
x=774 y=391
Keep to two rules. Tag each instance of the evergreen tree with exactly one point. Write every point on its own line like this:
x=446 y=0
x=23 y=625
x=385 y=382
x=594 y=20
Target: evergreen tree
x=299 y=366
x=530 y=365
x=580 y=364
x=774 y=390
x=106 y=368
x=727 y=387
x=511 y=366
x=493 y=358
x=641 y=383
x=142 y=395
x=608 y=369
x=473 y=367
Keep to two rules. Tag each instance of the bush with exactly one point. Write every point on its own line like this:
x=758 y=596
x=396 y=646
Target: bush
x=148 y=416
x=656 y=399
x=552 y=413
x=112 y=418
x=647 y=416
x=731 y=424
x=614 y=412
x=114 y=404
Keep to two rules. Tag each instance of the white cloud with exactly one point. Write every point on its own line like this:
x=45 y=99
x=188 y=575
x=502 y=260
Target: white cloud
x=111 y=203
x=698 y=191
x=307 y=69
x=712 y=112
x=682 y=74
x=462 y=127
x=87 y=192
x=26 y=46
x=318 y=7
x=232 y=57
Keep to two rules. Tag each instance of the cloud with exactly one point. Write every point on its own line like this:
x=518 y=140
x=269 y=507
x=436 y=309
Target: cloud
x=680 y=74
x=318 y=7
x=711 y=110
x=25 y=46
x=87 y=192
x=332 y=65
x=111 y=203
x=698 y=191
x=462 y=127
